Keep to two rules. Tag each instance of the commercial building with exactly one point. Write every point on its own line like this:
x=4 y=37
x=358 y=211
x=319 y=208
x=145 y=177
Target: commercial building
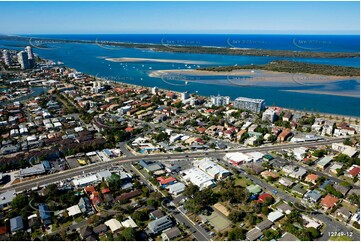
x=6 y=198
x=211 y=168
x=35 y=169
x=88 y=180
x=250 y=104
x=198 y=177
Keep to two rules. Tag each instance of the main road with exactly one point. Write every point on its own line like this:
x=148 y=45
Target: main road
x=57 y=177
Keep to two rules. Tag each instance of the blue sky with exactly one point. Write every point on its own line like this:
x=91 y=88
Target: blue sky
x=179 y=17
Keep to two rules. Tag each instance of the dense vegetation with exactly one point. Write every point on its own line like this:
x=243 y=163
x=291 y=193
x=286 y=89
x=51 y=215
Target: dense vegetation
x=293 y=67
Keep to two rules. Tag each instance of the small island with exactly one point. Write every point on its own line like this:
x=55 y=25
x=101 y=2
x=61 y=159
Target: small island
x=292 y=67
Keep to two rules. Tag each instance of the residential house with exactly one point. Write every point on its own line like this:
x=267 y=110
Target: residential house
x=288 y=237
x=313 y=196
x=85 y=206
x=342 y=189
x=45 y=214
x=85 y=232
x=324 y=162
x=264 y=197
x=16 y=224
x=353 y=171
x=253 y=234
x=113 y=224
x=344 y=213
x=171 y=234
x=160 y=224
x=274 y=216
x=266 y=174
x=128 y=195
x=156 y=214
x=176 y=188
x=100 y=229
x=286 y=133
x=298 y=189
x=329 y=201
x=265 y=224
x=311 y=178
x=164 y=182
x=335 y=167
x=285 y=182
x=285 y=208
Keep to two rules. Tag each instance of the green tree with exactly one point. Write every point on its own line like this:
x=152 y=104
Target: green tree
x=354 y=199
x=190 y=190
x=319 y=153
x=152 y=202
x=343 y=158
x=265 y=210
x=20 y=201
x=236 y=216
x=140 y=215
x=237 y=234
x=129 y=234
x=314 y=233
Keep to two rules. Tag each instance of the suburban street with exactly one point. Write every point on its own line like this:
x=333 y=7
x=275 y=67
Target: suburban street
x=56 y=177
x=331 y=224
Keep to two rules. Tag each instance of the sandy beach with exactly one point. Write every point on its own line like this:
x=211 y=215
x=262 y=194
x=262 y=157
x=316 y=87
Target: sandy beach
x=259 y=76
x=127 y=59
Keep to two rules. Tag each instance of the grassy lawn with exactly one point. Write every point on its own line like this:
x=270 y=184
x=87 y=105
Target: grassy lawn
x=36 y=233
x=79 y=219
x=353 y=209
x=242 y=182
x=340 y=238
x=103 y=238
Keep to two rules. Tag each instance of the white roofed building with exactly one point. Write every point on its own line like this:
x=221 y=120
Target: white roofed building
x=237 y=158
x=211 y=168
x=198 y=177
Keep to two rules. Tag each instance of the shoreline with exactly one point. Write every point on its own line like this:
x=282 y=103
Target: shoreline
x=336 y=116
x=150 y=60
x=168 y=90
x=324 y=93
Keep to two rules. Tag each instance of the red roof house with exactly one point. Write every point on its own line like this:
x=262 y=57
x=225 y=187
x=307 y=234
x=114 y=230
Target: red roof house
x=354 y=171
x=329 y=201
x=262 y=198
x=166 y=181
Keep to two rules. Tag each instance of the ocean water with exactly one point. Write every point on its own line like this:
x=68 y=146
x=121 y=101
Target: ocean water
x=90 y=59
